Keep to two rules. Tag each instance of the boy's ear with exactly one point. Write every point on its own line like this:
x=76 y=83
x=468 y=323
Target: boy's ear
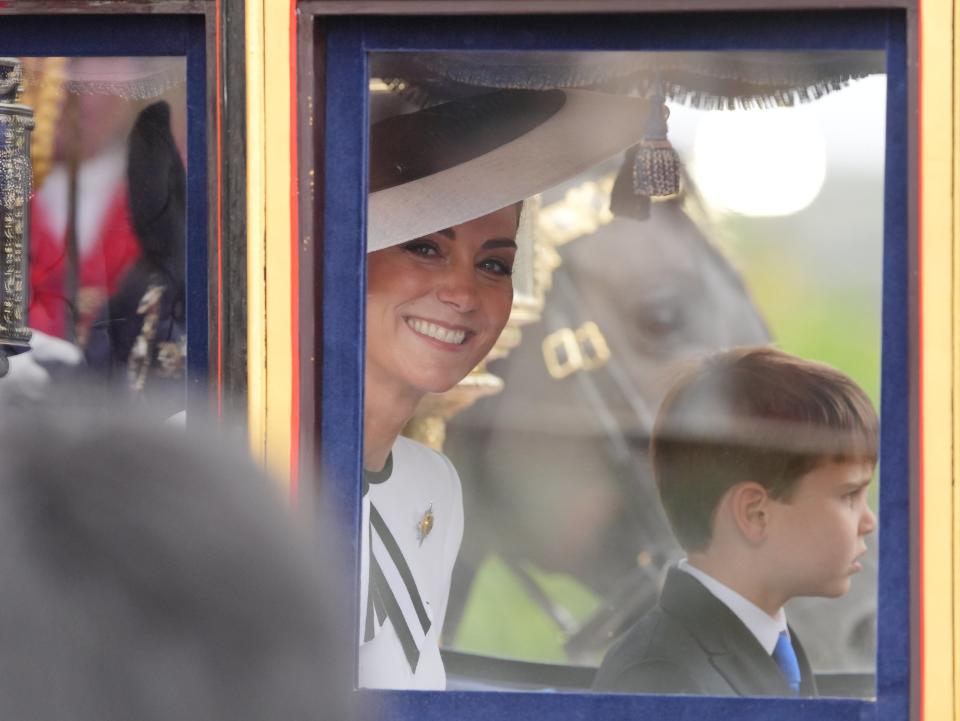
x=749 y=503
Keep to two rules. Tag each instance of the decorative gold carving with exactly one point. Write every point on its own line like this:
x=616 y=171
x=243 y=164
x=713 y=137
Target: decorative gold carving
x=16 y=122
x=44 y=91
x=583 y=210
x=429 y=423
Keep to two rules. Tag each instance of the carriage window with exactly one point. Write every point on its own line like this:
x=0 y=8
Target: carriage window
x=107 y=225
x=665 y=207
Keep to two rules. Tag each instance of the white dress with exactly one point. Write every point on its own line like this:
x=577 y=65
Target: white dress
x=420 y=482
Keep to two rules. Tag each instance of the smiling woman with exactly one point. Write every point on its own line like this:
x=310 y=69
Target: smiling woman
x=435 y=306
x=447 y=186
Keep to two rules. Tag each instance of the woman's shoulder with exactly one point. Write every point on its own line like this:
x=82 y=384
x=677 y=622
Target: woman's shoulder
x=410 y=453
x=427 y=470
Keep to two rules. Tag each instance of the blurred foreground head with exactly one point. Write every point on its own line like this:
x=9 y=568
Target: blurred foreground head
x=146 y=576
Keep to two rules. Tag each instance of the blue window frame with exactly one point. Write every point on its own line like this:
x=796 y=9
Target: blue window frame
x=347 y=42
x=117 y=35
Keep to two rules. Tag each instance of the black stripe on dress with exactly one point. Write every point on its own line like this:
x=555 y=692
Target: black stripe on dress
x=395 y=615
x=379 y=609
x=397 y=556
x=369 y=630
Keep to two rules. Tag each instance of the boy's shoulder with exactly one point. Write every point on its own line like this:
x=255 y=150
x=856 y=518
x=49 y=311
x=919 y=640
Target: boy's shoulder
x=691 y=643
x=657 y=655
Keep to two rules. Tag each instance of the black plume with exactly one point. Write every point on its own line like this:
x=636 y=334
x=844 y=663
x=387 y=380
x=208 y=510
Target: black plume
x=157 y=184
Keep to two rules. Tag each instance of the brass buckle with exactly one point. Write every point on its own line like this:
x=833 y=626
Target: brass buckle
x=593 y=346
x=561 y=353
x=566 y=351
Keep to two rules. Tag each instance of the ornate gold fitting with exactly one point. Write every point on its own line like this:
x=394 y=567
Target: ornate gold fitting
x=566 y=351
x=561 y=353
x=593 y=346
x=16 y=122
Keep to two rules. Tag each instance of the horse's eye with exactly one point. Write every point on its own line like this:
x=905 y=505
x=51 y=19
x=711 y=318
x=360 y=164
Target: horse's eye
x=661 y=318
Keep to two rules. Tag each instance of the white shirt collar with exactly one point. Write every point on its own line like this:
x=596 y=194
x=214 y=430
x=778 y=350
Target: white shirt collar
x=765 y=628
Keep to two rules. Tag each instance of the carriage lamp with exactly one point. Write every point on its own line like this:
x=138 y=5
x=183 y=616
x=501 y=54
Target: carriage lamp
x=16 y=123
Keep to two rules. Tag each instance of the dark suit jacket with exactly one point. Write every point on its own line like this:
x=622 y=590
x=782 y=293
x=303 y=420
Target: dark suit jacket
x=691 y=643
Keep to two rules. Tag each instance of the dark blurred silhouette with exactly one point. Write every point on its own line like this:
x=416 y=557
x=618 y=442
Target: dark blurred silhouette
x=147 y=577
x=139 y=340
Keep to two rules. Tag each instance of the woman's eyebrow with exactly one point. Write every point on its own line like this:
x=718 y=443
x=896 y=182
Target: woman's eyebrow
x=492 y=243
x=500 y=243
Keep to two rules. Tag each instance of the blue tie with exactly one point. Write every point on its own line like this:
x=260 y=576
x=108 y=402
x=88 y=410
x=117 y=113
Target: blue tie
x=786 y=659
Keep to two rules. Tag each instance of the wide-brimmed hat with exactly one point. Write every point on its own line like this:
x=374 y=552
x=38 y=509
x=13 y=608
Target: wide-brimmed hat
x=450 y=163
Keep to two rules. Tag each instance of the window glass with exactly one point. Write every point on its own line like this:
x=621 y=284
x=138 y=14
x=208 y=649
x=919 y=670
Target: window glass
x=107 y=225
x=765 y=228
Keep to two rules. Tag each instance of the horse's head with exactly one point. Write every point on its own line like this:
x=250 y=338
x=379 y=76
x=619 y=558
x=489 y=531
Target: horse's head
x=570 y=452
x=661 y=293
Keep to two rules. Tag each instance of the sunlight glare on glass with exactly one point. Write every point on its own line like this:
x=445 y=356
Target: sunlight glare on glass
x=759 y=162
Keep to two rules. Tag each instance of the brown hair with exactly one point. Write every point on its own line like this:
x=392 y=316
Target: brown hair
x=754 y=414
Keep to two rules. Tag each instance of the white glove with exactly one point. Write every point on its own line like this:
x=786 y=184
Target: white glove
x=27 y=378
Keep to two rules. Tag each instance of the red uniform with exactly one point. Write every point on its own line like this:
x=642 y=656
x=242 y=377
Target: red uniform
x=113 y=250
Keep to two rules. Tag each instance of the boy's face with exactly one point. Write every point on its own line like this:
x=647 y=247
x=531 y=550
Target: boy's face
x=816 y=535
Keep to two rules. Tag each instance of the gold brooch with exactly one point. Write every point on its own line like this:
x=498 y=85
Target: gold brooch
x=425 y=525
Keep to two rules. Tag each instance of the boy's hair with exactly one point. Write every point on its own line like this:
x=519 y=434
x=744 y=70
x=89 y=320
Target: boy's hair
x=752 y=414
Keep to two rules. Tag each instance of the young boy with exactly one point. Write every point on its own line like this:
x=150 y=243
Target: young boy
x=762 y=461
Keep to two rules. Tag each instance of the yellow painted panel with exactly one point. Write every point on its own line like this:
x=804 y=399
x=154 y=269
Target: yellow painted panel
x=278 y=176
x=269 y=206
x=936 y=269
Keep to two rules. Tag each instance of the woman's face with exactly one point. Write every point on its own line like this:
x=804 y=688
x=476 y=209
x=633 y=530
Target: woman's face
x=436 y=305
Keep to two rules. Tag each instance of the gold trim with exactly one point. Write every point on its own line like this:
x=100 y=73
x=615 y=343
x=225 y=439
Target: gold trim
x=937 y=164
x=269 y=262
x=279 y=180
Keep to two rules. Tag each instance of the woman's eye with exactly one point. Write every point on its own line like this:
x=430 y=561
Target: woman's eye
x=421 y=247
x=495 y=266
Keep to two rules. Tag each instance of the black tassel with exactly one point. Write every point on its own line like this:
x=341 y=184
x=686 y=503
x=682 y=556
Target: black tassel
x=624 y=202
x=656 y=167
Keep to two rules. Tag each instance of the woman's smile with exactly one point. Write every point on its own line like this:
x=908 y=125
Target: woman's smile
x=447 y=336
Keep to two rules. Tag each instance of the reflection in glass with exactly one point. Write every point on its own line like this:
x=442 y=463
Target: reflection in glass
x=447 y=185
x=107 y=220
x=775 y=236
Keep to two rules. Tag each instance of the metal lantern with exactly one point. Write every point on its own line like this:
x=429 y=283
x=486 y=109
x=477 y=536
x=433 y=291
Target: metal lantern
x=16 y=123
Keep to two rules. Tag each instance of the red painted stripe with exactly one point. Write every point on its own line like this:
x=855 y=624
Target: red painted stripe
x=219 y=151
x=294 y=266
x=921 y=621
